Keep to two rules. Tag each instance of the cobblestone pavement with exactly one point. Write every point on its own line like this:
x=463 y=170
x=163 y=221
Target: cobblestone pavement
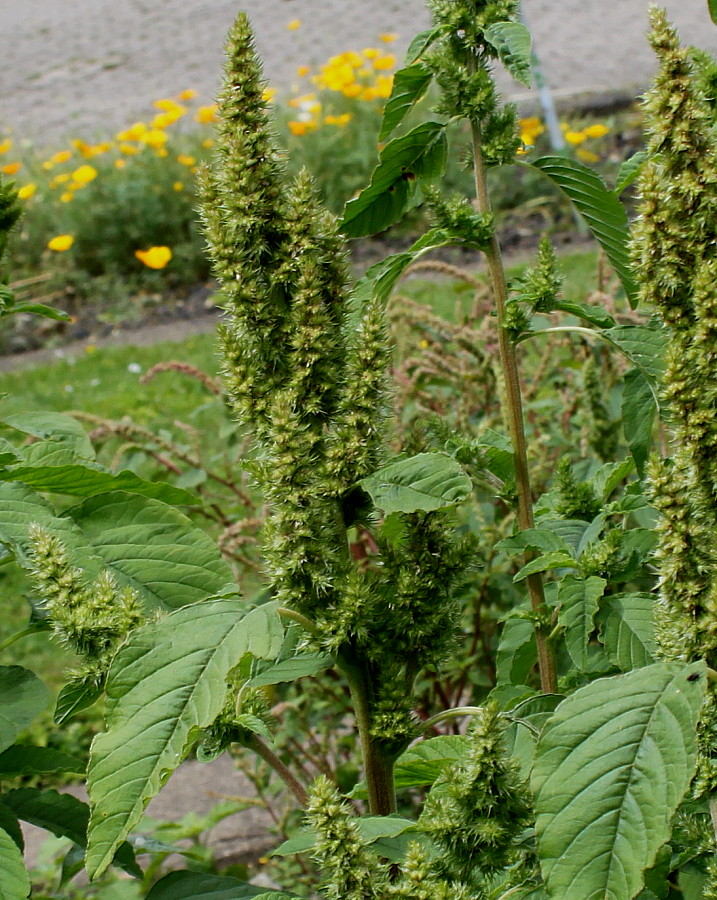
x=86 y=67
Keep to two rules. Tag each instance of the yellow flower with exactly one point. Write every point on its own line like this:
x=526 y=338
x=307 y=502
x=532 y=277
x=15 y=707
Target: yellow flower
x=154 y=138
x=303 y=71
x=352 y=90
x=66 y=197
x=26 y=191
x=155 y=257
x=12 y=168
x=186 y=160
x=61 y=157
x=384 y=62
x=120 y=163
x=383 y=86
x=424 y=345
x=165 y=119
x=47 y=165
x=61 y=242
x=596 y=131
x=587 y=155
x=168 y=105
x=133 y=133
x=84 y=174
x=128 y=149
x=268 y=94
x=371 y=52
x=161 y=152
x=297 y=102
x=208 y=143
x=574 y=137
x=387 y=38
x=189 y=94
x=294 y=24
x=300 y=128
x=341 y=120
x=62 y=178
x=5 y=145
x=178 y=186
x=206 y=114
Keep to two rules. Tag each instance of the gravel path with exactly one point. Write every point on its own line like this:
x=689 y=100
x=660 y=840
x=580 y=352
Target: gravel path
x=72 y=68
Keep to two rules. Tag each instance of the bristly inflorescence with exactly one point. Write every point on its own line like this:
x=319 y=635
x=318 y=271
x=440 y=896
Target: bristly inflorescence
x=675 y=254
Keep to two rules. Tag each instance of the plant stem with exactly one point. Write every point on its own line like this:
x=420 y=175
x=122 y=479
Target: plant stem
x=509 y=364
x=713 y=813
x=454 y=713
x=299 y=619
x=378 y=768
x=267 y=754
x=33 y=629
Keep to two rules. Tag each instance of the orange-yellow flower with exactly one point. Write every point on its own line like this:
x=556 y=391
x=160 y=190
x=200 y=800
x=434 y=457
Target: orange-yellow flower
x=178 y=186
x=341 y=120
x=268 y=94
x=294 y=24
x=371 y=52
x=574 y=137
x=161 y=152
x=12 y=168
x=388 y=37
x=120 y=163
x=133 y=133
x=208 y=143
x=596 y=131
x=84 y=174
x=5 y=145
x=165 y=119
x=352 y=90
x=303 y=71
x=61 y=157
x=186 y=160
x=169 y=105
x=384 y=62
x=154 y=138
x=61 y=243
x=383 y=86
x=128 y=149
x=301 y=128
x=587 y=155
x=155 y=257
x=66 y=197
x=206 y=114
x=189 y=94
x=26 y=191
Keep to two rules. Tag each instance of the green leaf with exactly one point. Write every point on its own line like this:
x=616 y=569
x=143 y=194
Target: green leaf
x=628 y=630
x=166 y=683
x=64 y=816
x=639 y=411
x=78 y=694
x=143 y=542
x=513 y=45
x=592 y=314
x=14 y=880
x=56 y=427
x=27 y=759
x=630 y=170
x=302 y=666
x=370 y=828
x=546 y=562
x=84 y=481
x=498 y=455
x=421 y=42
x=39 y=309
x=409 y=85
x=418 y=155
x=644 y=346
x=517 y=653
x=535 y=711
x=541 y=540
x=196 y=886
x=611 y=767
x=10 y=823
x=602 y=210
x=425 y=482
x=22 y=698
x=712 y=7
x=578 y=599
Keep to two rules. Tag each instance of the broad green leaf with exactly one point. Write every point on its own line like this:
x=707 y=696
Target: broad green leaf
x=517 y=653
x=610 y=476
x=370 y=829
x=64 y=816
x=196 y=886
x=513 y=45
x=421 y=764
x=541 y=540
x=166 y=683
x=425 y=482
x=535 y=711
x=629 y=171
x=9 y=822
x=56 y=427
x=22 y=698
x=611 y=767
x=378 y=281
x=409 y=85
x=712 y=7
x=546 y=562
x=602 y=210
x=497 y=454
x=143 y=542
x=421 y=42
x=571 y=531
x=296 y=667
x=78 y=694
x=14 y=880
x=85 y=481
x=628 y=630
x=644 y=346
x=418 y=155
x=27 y=759
x=592 y=314
x=578 y=599
x=639 y=411
x=9 y=455
x=46 y=312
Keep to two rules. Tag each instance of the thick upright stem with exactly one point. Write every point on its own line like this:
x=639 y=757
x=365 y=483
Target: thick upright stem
x=378 y=768
x=509 y=364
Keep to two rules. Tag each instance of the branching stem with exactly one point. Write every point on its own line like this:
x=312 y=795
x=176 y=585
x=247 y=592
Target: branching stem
x=509 y=364
x=455 y=713
x=267 y=754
